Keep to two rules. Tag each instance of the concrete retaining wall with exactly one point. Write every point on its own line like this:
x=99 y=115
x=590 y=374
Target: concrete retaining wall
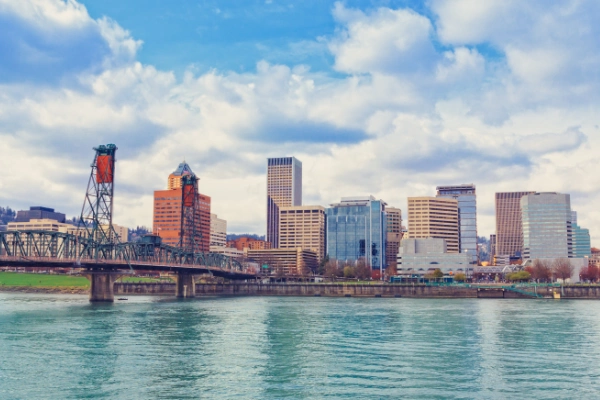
x=339 y=290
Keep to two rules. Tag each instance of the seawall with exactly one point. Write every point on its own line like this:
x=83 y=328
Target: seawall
x=353 y=290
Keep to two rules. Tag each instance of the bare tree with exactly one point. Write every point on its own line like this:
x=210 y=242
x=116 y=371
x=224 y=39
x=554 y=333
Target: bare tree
x=332 y=270
x=562 y=269
x=362 y=269
x=540 y=271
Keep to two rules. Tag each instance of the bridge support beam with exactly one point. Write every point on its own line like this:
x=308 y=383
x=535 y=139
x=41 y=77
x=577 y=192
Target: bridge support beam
x=186 y=286
x=102 y=285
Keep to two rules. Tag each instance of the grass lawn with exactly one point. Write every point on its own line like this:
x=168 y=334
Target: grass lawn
x=42 y=280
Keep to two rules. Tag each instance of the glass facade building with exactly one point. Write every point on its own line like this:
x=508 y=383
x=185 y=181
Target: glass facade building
x=547 y=231
x=582 y=246
x=356 y=228
x=467 y=215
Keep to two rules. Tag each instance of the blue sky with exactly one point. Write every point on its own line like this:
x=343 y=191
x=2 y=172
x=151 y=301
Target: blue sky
x=389 y=98
x=230 y=35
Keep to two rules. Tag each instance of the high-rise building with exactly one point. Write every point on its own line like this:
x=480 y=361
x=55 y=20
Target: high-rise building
x=393 y=235
x=509 y=228
x=467 y=215
x=356 y=229
x=218 y=231
x=168 y=213
x=284 y=189
x=547 y=232
x=302 y=226
x=581 y=239
x=434 y=217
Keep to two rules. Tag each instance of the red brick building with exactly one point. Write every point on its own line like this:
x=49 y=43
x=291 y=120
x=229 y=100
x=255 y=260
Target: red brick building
x=167 y=211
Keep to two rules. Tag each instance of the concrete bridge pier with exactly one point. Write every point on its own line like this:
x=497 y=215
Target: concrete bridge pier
x=102 y=285
x=185 y=286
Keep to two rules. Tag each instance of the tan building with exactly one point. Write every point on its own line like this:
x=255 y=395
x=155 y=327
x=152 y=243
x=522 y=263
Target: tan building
x=289 y=261
x=218 y=231
x=509 y=227
x=51 y=225
x=228 y=251
x=434 y=217
x=303 y=226
x=40 y=225
x=393 y=235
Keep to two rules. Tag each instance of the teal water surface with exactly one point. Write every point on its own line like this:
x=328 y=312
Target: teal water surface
x=60 y=346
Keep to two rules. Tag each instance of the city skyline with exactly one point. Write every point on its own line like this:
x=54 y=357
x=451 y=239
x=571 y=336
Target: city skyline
x=389 y=100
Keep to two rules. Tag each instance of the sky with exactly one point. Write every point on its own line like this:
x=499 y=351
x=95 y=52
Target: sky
x=383 y=98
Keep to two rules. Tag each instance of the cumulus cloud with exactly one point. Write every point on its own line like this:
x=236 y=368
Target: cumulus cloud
x=419 y=103
x=383 y=41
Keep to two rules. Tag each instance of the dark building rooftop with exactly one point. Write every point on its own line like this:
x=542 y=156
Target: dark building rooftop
x=39 y=212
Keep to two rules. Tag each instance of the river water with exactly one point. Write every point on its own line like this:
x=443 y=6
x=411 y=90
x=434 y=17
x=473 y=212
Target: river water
x=60 y=346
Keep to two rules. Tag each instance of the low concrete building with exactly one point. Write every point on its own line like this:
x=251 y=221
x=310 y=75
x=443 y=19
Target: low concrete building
x=422 y=256
x=289 y=261
x=227 y=251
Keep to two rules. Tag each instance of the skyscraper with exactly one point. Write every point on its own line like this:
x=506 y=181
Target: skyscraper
x=168 y=212
x=467 y=215
x=434 y=217
x=284 y=189
x=356 y=229
x=509 y=228
x=547 y=232
x=581 y=239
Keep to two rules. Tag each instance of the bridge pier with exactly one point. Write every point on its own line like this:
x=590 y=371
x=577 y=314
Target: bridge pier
x=185 y=286
x=102 y=285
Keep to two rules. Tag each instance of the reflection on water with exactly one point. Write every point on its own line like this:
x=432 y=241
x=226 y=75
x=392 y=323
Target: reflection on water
x=57 y=346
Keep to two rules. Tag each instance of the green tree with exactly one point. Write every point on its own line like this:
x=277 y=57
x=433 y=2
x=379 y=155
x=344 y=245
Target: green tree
x=349 y=271
x=437 y=274
x=460 y=277
x=519 y=276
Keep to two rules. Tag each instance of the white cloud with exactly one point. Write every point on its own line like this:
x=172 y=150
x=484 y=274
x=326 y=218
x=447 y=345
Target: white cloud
x=383 y=41
x=406 y=118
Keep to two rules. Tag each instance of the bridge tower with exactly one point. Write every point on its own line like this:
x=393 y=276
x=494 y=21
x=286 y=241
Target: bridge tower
x=95 y=222
x=189 y=235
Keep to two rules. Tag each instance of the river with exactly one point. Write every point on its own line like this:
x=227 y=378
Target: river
x=61 y=346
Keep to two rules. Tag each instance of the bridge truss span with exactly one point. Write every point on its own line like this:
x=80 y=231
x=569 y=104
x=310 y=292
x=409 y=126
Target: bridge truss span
x=35 y=248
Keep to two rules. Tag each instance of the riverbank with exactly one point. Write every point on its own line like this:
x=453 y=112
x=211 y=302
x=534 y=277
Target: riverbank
x=41 y=283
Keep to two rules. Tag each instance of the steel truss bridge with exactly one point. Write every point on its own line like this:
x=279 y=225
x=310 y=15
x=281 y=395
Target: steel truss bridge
x=64 y=250
x=95 y=247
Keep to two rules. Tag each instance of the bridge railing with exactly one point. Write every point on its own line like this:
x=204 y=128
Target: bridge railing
x=85 y=262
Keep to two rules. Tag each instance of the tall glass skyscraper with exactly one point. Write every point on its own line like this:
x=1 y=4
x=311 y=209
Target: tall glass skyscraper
x=467 y=215
x=284 y=189
x=582 y=246
x=356 y=228
x=547 y=231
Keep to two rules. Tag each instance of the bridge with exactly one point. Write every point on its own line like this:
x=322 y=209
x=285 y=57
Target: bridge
x=94 y=248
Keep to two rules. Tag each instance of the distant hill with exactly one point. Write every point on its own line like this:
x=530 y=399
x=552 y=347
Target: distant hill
x=234 y=236
x=7 y=215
